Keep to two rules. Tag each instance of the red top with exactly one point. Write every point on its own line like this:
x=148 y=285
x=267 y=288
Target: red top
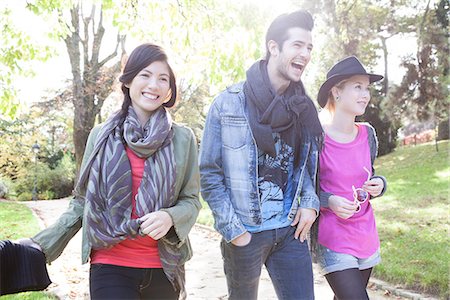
x=141 y=252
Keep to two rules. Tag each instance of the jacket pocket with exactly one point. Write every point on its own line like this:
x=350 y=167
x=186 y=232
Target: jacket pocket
x=234 y=132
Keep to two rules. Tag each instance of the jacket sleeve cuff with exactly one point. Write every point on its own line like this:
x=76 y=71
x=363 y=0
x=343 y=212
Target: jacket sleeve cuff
x=54 y=239
x=324 y=197
x=232 y=231
x=311 y=202
x=384 y=185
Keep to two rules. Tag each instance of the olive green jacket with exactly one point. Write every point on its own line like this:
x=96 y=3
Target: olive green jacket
x=184 y=213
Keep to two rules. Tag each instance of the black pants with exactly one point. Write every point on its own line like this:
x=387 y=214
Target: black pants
x=116 y=282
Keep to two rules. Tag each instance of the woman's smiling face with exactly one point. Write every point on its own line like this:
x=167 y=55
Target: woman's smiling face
x=150 y=89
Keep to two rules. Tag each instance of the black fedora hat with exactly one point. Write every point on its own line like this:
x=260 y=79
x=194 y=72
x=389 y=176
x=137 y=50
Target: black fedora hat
x=343 y=69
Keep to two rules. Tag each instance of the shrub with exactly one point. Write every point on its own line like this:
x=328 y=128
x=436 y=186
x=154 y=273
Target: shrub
x=46 y=195
x=444 y=130
x=25 y=196
x=63 y=177
x=51 y=183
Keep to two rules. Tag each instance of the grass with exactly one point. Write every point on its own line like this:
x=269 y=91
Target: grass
x=205 y=216
x=17 y=221
x=412 y=218
x=29 y=296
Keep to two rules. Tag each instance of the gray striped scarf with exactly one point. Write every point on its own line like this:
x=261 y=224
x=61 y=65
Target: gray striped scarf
x=106 y=178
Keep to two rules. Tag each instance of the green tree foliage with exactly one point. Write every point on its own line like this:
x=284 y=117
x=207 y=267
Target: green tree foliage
x=81 y=28
x=16 y=50
x=15 y=146
x=211 y=41
x=210 y=44
x=48 y=123
x=424 y=90
x=376 y=116
x=361 y=28
x=52 y=183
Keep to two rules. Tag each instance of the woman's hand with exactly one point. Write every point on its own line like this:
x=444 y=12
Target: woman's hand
x=28 y=242
x=156 y=224
x=373 y=186
x=342 y=207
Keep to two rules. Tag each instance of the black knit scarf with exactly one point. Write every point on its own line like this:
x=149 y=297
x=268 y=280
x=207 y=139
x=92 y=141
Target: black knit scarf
x=292 y=114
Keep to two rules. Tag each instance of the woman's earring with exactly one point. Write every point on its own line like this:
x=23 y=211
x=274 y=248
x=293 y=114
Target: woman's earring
x=337 y=98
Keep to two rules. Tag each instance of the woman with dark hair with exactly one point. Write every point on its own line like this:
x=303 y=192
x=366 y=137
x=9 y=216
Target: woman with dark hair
x=348 y=243
x=137 y=193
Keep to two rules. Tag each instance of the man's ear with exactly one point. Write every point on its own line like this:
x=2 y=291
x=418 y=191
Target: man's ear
x=274 y=50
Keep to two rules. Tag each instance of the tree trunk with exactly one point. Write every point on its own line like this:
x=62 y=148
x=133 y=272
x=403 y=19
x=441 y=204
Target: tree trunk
x=436 y=141
x=385 y=57
x=84 y=120
x=92 y=82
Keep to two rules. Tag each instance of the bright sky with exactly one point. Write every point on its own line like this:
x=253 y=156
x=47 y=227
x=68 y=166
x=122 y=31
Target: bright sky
x=53 y=74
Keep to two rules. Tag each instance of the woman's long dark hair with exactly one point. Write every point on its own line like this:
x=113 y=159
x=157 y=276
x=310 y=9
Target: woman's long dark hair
x=140 y=58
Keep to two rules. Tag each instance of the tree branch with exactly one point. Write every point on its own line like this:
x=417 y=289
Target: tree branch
x=72 y=43
x=85 y=42
x=98 y=36
x=422 y=25
x=180 y=7
x=120 y=41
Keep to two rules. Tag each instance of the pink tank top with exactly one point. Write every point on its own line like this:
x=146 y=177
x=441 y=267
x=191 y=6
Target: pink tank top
x=341 y=166
x=141 y=252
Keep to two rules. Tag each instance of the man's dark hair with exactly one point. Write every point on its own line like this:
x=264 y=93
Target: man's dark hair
x=278 y=29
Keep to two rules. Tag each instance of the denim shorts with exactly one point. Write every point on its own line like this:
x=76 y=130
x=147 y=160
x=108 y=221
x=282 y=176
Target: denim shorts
x=331 y=261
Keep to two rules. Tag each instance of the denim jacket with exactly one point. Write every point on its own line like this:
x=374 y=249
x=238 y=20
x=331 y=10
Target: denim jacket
x=229 y=167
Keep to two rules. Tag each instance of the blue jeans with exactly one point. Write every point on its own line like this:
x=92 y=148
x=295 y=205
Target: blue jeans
x=287 y=260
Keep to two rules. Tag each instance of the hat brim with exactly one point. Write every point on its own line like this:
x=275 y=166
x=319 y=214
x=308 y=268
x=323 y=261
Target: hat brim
x=322 y=96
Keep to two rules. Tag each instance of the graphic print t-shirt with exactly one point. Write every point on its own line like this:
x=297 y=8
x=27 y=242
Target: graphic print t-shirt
x=276 y=186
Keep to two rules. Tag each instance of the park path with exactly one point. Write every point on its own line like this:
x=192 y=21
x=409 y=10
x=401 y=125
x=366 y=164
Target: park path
x=204 y=272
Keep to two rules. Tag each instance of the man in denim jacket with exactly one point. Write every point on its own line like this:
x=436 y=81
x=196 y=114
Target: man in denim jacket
x=258 y=165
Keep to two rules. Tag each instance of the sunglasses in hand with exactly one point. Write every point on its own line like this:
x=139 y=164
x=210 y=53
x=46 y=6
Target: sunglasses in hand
x=359 y=195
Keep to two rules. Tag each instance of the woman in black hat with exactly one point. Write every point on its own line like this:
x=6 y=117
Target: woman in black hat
x=348 y=243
